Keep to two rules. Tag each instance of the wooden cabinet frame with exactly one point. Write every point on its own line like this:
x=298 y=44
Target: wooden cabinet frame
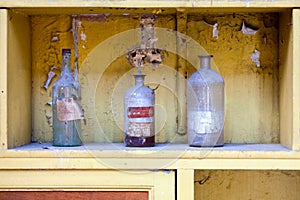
x=35 y=167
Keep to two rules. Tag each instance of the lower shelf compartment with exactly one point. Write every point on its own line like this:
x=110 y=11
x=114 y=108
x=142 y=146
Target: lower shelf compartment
x=244 y=184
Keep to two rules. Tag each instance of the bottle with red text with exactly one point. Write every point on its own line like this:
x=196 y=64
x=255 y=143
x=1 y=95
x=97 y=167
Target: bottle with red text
x=139 y=115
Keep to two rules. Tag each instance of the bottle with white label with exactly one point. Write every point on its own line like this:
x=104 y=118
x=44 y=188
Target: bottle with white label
x=139 y=129
x=66 y=108
x=205 y=98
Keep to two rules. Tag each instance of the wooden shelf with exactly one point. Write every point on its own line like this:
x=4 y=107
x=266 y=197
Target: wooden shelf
x=162 y=156
x=166 y=150
x=145 y=4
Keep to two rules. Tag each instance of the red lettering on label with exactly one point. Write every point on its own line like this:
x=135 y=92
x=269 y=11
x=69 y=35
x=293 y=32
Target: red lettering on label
x=140 y=112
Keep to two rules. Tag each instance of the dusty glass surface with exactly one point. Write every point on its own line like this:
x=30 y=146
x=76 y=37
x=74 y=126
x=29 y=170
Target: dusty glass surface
x=139 y=114
x=205 y=106
x=67 y=112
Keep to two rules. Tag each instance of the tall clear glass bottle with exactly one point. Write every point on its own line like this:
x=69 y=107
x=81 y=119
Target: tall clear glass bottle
x=67 y=112
x=205 y=98
x=139 y=115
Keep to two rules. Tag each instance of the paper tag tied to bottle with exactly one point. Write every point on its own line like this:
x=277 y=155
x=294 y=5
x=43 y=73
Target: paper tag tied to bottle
x=68 y=109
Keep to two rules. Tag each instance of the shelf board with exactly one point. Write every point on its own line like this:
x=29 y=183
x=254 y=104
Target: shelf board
x=149 y=4
x=162 y=156
x=164 y=150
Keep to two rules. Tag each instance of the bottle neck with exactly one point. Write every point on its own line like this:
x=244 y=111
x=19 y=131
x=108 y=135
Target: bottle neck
x=139 y=79
x=205 y=61
x=66 y=63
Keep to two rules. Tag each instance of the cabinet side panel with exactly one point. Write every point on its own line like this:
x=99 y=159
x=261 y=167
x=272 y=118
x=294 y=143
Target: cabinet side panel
x=285 y=79
x=19 y=80
x=3 y=79
x=185 y=184
x=296 y=79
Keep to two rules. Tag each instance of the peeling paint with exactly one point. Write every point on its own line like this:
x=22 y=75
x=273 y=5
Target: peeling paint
x=247 y=30
x=126 y=14
x=55 y=37
x=49 y=118
x=75 y=43
x=215 y=32
x=83 y=36
x=92 y=17
x=255 y=57
x=51 y=75
x=146 y=50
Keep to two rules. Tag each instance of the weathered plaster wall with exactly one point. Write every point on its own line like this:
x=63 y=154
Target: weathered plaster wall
x=252 y=112
x=46 y=53
x=267 y=185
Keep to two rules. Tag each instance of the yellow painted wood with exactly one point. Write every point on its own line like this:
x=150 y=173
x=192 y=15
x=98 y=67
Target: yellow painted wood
x=289 y=80
x=117 y=150
x=254 y=3
x=89 y=167
x=3 y=78
x=296 y=80
x=87 y=3
x=160 y=184
x=160 y=151
x=173 y=156
x=142 y=10
x=18 y=80
x=149 y=163
x=185 y=184
x=158 y=4
x=286 y=79
x=268 y=185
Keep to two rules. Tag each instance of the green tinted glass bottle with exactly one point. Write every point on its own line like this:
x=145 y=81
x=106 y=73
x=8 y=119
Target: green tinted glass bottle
x=67 y=112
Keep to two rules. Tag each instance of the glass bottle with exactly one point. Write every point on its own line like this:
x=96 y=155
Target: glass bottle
x=139 y=129
x=205 y=98
x=67 y=112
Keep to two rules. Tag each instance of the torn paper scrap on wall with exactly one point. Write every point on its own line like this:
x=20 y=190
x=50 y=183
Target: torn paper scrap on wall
x=247 y=30
x=83 y=36
x=255 y=57
x=51 y=74
x=215 y=32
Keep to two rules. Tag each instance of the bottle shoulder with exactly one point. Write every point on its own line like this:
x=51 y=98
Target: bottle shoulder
x=66 y=80
x=206 y=75
x=139 y=90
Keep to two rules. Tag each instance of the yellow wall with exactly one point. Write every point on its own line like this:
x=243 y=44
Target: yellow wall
x=267 y=185
x=252 y=113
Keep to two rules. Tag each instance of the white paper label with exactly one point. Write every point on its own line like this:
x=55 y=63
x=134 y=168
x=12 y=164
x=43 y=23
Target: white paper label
x=201 y=122
x=140 y=129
